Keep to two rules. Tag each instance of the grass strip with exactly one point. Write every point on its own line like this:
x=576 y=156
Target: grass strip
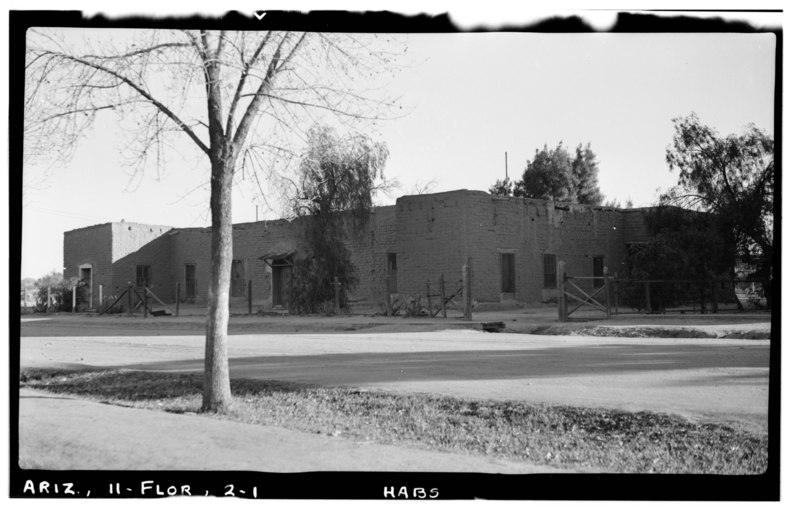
x=561 y=436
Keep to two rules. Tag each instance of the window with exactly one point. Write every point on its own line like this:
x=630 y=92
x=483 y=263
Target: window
x=508 y=276
x=597 y=270
x=550 y=271
x=237 y=278
x=142 y=276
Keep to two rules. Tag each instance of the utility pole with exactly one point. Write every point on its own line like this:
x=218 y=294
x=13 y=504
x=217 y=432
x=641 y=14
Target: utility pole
x=506 y=165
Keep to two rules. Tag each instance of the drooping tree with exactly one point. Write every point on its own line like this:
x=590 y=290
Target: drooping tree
x=232 y=97
x=339 y=176
x=731 y=176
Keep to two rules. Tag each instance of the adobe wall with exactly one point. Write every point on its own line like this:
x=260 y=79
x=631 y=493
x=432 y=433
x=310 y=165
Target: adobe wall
x=431 y=240
x=437 y=233
x=91 y=245
x=369 y=253
x=142 y=244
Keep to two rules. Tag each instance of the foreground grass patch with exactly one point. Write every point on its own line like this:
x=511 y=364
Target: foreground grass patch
x=555 y=435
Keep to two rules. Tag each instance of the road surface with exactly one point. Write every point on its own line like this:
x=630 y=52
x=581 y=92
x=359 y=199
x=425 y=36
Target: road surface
x=721 y=380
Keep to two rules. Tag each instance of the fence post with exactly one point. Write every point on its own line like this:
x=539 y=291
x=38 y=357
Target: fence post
x=388 y=297
x=466 y=271
x=249 y=296
x=561 y=277
x=428 y=290
x=74 y=297
x=444 y=299
x=178 y=298
x=130 y=299
x=608 y=292
x=336 y=294
x=714 y=303
x=47 y=308
x=647 y=307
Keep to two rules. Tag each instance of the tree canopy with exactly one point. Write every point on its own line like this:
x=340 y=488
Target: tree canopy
x=232 y=98
x=731 y=176
x=555 y=175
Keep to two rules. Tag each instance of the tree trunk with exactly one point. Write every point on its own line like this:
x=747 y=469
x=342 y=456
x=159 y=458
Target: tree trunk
x=217 y=389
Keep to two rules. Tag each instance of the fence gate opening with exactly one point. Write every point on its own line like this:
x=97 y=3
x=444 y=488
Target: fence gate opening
x=569 y=288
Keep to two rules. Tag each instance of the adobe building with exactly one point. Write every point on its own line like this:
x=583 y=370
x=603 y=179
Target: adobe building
x=514 y=244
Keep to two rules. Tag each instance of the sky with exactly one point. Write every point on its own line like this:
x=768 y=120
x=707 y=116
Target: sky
x=468 y=99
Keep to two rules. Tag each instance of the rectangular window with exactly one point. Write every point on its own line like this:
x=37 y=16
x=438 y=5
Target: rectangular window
x=550 y=271
x=597 y=270
x=507 y=273
x=142 y=276
x=237 y=278
x=392 y=271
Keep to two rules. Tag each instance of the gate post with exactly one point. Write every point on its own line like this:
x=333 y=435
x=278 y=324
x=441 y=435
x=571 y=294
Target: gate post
x=608 y=292
x=444 y=299
x=561 y=277
x=336 y=294
x=249 y=296
x=428 y=291
x=467 y=276
x=177 y=298
x=129 y=291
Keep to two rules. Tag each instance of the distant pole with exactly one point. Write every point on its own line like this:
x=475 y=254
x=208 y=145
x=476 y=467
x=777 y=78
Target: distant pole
x=336 y=294
x=250 y=294
x=74 y=297
x=145 y=303
x=444 y=299
x=608 y=292
x=467 y=292
x=256 y=212
x=100 y=305
x=561 y=270
x=177 y=298
x=130 y=299
x=388 y=296
x=47 y=309
x=506 y=165
x=428 y=290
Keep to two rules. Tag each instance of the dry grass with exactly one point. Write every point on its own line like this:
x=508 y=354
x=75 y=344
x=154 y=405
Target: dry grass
x=605 y=440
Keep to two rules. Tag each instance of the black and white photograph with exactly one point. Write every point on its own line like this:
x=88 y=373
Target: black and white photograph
x=397 y=255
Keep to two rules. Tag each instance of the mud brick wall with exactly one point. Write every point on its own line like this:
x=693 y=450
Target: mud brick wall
x=369 y=248
x=431 y=240
x=91 y=245
x=142 y=244
x=251 y=241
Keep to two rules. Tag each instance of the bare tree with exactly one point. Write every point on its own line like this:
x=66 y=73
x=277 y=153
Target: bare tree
x=225 y=93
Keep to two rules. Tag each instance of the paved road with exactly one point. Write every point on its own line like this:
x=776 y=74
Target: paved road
x=706 y=379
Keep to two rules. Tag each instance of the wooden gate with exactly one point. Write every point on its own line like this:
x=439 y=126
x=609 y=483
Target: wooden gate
x=568 y=288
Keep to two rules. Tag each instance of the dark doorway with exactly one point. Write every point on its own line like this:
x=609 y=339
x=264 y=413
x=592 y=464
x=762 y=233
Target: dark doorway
x=507 y=273
x=190 y=271
x=597 y=270
x=392 y=272
x=281 y=283
x=84 y=292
